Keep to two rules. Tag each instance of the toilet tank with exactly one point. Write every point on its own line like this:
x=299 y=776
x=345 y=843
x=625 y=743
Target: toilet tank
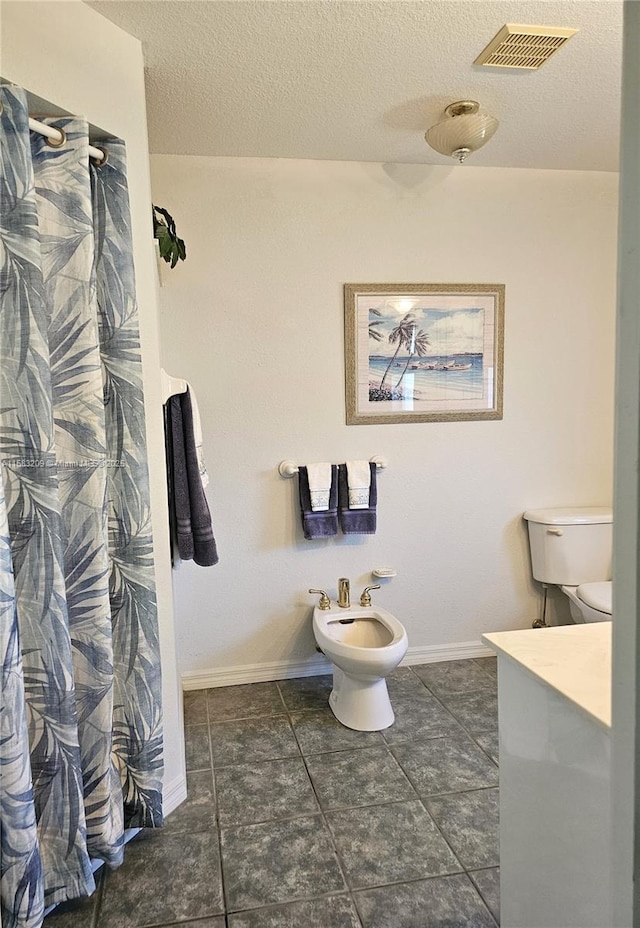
x=570 y=546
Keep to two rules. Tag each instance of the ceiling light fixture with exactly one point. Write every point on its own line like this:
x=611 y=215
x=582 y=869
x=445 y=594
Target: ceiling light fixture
x=463 y=130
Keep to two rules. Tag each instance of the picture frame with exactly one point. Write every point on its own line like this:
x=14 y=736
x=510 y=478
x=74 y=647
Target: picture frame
x=423 y=352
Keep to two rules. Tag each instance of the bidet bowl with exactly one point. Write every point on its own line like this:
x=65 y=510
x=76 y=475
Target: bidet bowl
x=364 y=640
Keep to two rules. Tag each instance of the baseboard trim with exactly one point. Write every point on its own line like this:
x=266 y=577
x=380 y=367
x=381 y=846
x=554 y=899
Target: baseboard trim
x=173 y=794
x=285 y=670
x=429 y=654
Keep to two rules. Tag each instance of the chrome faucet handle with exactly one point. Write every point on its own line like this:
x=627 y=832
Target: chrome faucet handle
x=365 y=599
x=325 y=602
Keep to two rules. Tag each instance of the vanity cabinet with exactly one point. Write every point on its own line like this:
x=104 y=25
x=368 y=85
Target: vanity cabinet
x=554 y=703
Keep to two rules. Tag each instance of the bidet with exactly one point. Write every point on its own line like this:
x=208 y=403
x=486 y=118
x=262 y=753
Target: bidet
x=364 y=644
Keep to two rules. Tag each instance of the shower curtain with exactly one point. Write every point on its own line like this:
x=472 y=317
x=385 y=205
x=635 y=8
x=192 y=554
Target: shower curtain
x=80 y=716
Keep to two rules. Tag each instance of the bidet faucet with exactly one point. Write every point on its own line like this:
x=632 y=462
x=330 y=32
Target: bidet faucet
x=365 y=599
x=325 y=602
x=343 y=592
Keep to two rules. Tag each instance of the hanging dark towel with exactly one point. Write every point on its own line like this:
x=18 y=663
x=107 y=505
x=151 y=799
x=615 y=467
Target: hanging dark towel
x=318 y=524
x=357 y=521
x=192 y=518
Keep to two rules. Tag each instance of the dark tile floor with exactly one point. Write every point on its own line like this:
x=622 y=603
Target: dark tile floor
x=293 y=821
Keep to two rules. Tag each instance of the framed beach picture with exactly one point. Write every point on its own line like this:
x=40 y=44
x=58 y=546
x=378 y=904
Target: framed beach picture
x=423 y=352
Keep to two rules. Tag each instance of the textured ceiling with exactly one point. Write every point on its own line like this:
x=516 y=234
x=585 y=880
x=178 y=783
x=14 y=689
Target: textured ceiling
x=356 y=80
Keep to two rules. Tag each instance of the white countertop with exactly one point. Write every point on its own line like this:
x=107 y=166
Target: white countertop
x=575 y=660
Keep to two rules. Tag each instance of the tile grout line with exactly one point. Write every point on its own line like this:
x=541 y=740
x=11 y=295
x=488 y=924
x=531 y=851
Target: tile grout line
x=282 y=700
x=464 y=869
x=319 y=812
x=370 y=805
x=423 y=800
x=481 y=894
x=437 y=737
x=441 y=833
x=275 y=905
x=462 y=726
x=322 y=813
x=216 y=818
x=201 y=919
x=99 y=897
x=488 y=673
x=443 y=876
x=358 y=890
x=451 y=792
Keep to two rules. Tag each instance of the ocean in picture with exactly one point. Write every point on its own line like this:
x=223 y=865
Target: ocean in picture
x=437 y=377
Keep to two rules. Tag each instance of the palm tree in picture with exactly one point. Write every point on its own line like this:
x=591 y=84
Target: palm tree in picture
x=401 y=337
x=417 y=346
x=374 y=333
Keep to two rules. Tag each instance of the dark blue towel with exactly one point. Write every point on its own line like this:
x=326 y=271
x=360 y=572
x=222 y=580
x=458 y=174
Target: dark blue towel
x=191 y=515
x=318 y=524
x=357 y=521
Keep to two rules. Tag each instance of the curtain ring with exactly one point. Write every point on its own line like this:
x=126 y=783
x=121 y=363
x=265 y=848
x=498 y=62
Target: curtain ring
x=100 y=162
x=52 y=143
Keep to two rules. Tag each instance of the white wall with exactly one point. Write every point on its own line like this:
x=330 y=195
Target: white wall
x=71 y=56
x=254 y=319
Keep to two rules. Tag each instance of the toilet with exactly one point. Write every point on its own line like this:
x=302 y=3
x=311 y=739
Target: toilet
x=364 y=644
x=572 y=548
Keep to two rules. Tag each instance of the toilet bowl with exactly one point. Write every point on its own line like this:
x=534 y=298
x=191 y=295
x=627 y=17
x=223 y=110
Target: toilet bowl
x=364 y=644
x=590 y=602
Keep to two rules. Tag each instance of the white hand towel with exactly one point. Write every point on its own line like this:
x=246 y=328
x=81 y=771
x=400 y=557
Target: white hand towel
x=319 y=485
x=359 y=482
x=197 y=434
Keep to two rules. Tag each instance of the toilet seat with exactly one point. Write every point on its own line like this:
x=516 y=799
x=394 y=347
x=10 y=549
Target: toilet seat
x=597 y=595
x=580 y=598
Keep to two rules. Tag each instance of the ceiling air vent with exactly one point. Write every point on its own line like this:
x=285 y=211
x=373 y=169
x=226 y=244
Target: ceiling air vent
x=517 y=46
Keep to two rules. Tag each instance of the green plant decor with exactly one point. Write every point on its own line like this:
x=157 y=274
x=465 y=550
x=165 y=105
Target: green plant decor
x=172 y=248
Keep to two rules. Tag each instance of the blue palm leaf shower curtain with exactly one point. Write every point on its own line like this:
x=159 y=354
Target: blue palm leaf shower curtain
x=81 y=716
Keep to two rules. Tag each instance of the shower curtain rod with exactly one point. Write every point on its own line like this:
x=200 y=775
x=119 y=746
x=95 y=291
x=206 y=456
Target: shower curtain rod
x=57 y=136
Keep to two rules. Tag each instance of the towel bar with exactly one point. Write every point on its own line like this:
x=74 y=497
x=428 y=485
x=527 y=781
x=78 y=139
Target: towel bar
x=289 y=468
